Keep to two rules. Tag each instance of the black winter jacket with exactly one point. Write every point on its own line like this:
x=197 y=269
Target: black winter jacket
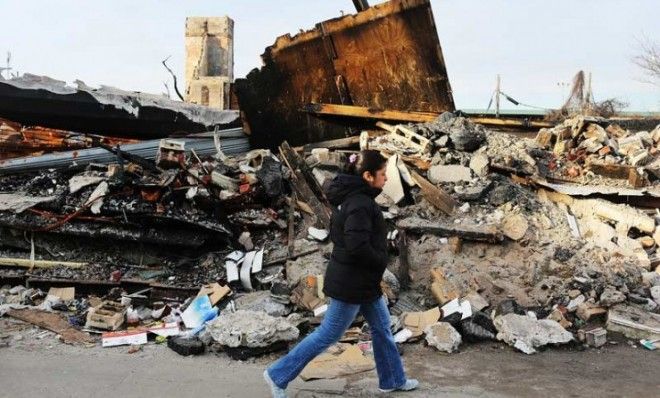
x=359 y=235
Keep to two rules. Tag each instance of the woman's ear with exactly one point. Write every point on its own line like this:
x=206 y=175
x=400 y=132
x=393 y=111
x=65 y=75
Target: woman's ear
x=367 y=176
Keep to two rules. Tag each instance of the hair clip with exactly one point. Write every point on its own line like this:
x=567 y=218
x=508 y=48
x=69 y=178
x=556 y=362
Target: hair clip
x=353 y=158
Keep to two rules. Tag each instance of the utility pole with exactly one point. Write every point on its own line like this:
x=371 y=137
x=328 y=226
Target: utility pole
x=497 y=97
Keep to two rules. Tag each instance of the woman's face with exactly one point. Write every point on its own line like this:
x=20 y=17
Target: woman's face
x=376 y=181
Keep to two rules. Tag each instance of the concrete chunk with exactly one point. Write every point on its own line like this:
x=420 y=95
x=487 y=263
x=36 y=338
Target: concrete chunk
x=443 y=336
x=526 y=333
x=449 y=173
x=251 y=329
x=479 y=164
x=611 y=296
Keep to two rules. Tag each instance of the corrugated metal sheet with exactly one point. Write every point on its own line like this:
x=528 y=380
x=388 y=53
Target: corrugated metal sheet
x=233 y=141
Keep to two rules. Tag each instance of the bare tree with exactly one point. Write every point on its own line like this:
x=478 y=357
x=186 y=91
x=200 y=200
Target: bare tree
x=649 y=60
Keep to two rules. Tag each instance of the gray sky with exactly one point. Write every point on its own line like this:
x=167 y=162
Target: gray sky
x=533 y=44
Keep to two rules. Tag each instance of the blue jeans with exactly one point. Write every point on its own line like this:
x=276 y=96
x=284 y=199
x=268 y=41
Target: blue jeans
x=338 y=318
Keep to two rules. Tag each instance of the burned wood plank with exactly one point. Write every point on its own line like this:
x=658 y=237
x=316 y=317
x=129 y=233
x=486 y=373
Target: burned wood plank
x=610 y=170
x=361 y=112
x=339 y=143
x=404 y=263
x=27 y=263
x=636 y=178
x=510 y=122
x=157 y=291
x=369 y=113
x=291 y=225
x=183 y=236
x=478 y=233
x=306 y=186
x=54 y=322
x=435 y=195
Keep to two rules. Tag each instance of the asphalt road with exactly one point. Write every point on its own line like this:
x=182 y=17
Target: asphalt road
x=39 y=365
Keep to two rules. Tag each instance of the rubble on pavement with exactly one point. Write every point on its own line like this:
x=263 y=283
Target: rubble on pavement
x=249 y=247
x=200 y=242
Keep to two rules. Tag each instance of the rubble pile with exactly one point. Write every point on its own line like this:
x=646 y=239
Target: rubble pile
x=229 y=252
x=594 y=151
x=155 y=216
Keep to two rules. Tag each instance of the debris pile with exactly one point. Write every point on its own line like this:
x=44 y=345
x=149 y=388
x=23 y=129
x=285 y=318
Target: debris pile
x=594 y=151
x=164 y=228
x=230 y=251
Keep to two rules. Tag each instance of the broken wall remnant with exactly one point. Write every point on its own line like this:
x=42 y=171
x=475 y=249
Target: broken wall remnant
x=386 y=57
x=209 y=60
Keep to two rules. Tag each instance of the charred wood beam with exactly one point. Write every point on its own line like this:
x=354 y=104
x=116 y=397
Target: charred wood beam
x=183 y=237
x=488 y=233
x=404 y=263
x=362 y=112
x=158 y=291
x=305 y=185
x=340 y=143
x=27 y=263
x=436 y=196
x=139 y=160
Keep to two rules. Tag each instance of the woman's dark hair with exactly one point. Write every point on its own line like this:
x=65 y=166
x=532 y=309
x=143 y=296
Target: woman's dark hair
x=367 y=160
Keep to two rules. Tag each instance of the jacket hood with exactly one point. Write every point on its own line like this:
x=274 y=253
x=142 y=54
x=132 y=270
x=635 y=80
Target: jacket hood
x=345 y=185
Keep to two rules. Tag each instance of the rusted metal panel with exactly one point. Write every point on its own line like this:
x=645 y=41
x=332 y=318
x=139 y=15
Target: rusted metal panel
x=388 y=57
x=17 y=140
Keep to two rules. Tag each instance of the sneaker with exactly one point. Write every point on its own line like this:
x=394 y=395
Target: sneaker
x=409 y=385
x=275 y=391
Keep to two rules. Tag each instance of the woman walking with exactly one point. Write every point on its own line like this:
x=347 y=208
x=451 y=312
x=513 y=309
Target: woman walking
x=352 y=280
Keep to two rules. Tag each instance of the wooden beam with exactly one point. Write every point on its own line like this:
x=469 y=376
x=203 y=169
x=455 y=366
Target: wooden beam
x=339 y=143
x=479 y=233
x=55 y=322
x=510 y=122
x=362 y=112
x=369 y=113
x=437 y=197
x=404 y=263
x=618 y=171
x=305 y=185
x=26 y=263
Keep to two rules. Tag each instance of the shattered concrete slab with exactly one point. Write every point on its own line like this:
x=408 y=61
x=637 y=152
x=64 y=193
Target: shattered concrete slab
x=633 y=322
x=261 y=301
x=443 y=336
x=526 y=333
x=245 y=328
